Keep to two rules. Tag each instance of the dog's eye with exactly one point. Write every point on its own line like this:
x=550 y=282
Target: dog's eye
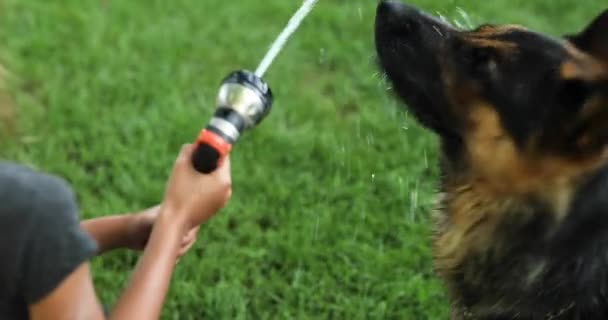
x=481 y=55
x=482 y=60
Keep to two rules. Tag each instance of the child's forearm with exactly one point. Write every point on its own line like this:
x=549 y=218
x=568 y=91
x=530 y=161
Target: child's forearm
x=145 y=294
x=110 y=232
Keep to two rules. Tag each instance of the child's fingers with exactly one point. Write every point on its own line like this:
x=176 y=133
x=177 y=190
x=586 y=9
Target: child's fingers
x=185 y=248
x=184 y=155
x=188 y=241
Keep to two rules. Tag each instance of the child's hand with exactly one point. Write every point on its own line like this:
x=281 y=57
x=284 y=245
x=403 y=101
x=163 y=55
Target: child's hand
x=141 y=225
x=192 y=198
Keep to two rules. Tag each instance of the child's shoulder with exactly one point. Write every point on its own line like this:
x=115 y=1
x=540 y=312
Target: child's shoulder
x=25 y=191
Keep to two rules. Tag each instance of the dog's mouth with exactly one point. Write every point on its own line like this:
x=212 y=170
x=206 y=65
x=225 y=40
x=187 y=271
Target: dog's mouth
x=409 y=43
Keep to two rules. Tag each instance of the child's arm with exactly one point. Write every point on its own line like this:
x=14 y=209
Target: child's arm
x=75 y=298
x=190 y=200
x=129 y=230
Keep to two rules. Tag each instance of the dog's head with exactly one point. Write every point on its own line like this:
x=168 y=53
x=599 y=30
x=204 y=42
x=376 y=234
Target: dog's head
x=498 y=87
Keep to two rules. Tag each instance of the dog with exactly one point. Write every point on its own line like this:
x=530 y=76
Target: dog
x=521 y=226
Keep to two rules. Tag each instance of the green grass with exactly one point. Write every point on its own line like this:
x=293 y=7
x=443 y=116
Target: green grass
x=329 y=218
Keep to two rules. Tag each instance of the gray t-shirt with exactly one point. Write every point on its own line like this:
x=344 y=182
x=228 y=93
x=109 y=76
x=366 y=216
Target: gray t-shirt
x=40 y=237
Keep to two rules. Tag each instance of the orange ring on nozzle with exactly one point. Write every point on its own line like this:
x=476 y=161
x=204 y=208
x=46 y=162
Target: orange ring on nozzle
x=216 y=142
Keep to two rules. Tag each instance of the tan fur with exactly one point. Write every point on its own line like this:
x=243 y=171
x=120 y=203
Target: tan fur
x=500 y=46
x=486 y=36
x=495 y=30
x=588 y=69
x=595 y=114
x=582 y=65
x=498 y=179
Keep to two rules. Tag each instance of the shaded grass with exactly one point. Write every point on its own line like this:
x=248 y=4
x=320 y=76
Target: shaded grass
x=7 y=116
x=329 y=217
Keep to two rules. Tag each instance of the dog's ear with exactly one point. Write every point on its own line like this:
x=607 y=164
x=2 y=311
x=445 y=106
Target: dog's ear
x=584 y=113
x=594 y=38
x=585 y=84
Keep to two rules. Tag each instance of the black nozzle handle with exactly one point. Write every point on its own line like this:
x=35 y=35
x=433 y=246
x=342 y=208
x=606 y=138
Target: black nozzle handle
x=211 y=150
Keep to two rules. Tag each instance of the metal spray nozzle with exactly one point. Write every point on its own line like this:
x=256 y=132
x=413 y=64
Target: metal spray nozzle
x=243 y=101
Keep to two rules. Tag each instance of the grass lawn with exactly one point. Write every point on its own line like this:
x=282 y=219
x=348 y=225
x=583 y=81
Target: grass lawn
x=332 y=193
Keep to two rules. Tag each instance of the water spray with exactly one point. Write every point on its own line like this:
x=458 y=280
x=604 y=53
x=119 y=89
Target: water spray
x=243 y=101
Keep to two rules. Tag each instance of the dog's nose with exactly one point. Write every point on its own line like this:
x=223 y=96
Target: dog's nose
x=396 y=16
x=393 y=8
x=393 y=15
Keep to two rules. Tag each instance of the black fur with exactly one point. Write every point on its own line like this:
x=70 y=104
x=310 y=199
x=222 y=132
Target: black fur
x=538 y=264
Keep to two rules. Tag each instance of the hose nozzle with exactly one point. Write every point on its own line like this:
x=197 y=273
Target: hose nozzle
x=243 y=101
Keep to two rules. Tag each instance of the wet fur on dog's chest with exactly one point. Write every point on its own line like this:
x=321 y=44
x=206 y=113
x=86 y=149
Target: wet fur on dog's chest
x=512 y=259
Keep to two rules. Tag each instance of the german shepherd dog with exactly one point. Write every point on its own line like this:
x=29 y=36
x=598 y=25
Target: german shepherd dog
x=521 y=230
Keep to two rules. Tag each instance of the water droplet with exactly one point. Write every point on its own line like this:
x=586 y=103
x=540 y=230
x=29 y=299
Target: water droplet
x=322 y=56
x=372 y=60
x=443 y=18
x=413 y=202
x=370 y=139
x=467 y=21
x=316 y=231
